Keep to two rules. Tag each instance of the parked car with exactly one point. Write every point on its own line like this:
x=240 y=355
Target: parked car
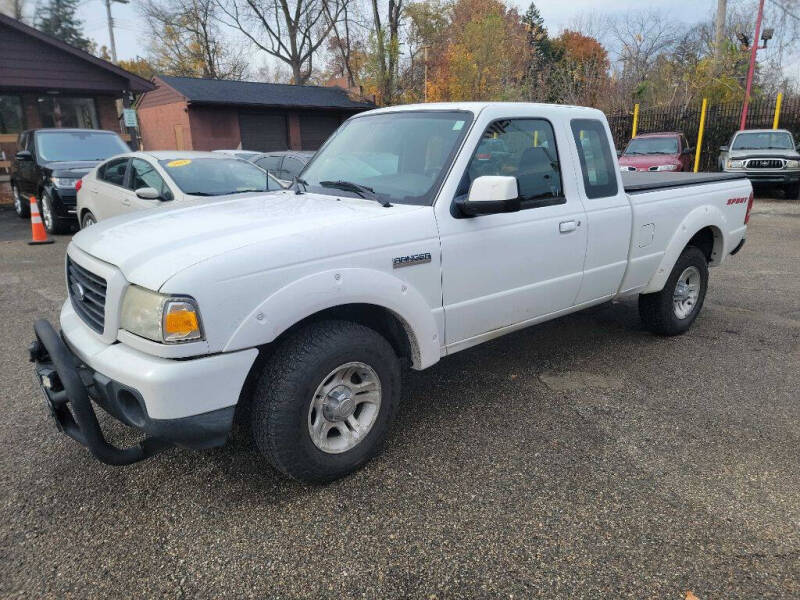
x=285 y=165
x=243 y=154
x=142 y=180
x=296 y=312
x=667 y=151
x=49 y=163
x=766 y=157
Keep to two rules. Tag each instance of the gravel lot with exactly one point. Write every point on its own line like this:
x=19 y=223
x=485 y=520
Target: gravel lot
x=583 y=458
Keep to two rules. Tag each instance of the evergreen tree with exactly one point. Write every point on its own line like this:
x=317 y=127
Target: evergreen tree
x=58 y=18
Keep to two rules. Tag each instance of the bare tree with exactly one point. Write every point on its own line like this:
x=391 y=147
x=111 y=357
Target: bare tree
x=387 y=48
x=185 y=40
x=291 y=31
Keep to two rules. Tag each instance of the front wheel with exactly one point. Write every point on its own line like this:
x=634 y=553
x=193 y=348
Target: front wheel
x=324 y=401
x=673 y=310
x=49 y=217
x=792 y=191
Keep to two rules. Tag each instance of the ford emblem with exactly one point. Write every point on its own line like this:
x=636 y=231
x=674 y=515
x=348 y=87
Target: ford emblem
x=78 y=290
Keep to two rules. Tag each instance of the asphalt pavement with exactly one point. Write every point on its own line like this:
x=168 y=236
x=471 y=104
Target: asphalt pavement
x=583 y=458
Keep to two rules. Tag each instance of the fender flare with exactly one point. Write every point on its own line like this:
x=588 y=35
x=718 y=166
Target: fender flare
x=700 y=218
x=337 y=287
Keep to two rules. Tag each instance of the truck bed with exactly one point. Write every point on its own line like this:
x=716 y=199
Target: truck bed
x=640 y=182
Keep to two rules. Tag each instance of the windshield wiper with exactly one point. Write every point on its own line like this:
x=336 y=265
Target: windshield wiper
x=357 y=188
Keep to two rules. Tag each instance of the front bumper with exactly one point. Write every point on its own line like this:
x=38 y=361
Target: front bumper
x=770 y=177
x=70 y=385
x=64 y=203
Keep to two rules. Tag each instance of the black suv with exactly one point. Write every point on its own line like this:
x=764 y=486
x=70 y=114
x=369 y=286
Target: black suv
x=48 y=164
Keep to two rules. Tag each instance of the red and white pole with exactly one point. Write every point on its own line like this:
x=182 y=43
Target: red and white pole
x=752 y=68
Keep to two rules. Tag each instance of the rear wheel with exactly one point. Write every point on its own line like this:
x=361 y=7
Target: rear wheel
x=21 y=207
x=673 y=310
x=87 y=220
x=324 y=401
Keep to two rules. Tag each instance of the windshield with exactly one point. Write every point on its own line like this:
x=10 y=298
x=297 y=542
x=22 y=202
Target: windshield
x=402 y=156
x=763 y=140
x=652 y=145
x=218 y=176
x=58 y=146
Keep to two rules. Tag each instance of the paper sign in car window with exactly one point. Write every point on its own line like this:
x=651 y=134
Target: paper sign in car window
x=458 y=125
x=179 y=163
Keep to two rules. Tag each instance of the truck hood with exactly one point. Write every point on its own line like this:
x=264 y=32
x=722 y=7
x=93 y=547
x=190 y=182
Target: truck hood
x=770 y=153
x=151 y=246
x=645 y=161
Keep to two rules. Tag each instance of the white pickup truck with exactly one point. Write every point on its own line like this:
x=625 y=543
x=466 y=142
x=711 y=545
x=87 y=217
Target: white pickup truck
x=415 y=232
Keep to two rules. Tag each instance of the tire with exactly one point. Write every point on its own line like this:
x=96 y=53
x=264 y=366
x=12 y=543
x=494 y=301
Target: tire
x=660 y=311
x=792 y=191
x=88 y=219
x=22 y=208
x=295 y=394
x=51 y=221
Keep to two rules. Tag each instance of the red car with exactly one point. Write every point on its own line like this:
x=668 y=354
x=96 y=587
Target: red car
x=667 y=151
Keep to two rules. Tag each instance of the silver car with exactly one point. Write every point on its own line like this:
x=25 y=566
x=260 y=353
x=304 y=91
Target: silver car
x=766 y=156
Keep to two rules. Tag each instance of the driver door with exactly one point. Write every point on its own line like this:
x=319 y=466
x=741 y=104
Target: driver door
x=510 y=269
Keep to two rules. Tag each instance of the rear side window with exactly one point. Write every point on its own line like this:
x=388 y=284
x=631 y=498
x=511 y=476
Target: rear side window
x=291 y=167
x=270 y=163
x=594 y=151
x=113 y=171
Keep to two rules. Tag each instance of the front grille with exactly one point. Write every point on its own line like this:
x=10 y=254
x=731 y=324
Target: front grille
x=764 y=163
x=87 y=292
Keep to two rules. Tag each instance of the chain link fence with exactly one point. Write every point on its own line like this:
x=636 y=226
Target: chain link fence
x=722 y=121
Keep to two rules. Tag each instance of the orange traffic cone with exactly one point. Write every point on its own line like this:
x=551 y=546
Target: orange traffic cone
x=37 y=229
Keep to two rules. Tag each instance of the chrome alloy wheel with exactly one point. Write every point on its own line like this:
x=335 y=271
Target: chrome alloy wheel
x=17 y=198
x=47 y=212
x=344 y=408
x=687 y=291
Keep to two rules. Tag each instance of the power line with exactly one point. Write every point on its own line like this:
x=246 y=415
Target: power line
x=785 y=10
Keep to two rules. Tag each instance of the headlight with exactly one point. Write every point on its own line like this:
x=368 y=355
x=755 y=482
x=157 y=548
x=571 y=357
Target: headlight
x=67 y=183
x=160 y=318
x=735 y=164
x=792 y=164
x=666 y=167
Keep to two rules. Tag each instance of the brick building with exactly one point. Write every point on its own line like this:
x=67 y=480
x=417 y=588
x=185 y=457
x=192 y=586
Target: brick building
x=47 y=83
x=185 y=113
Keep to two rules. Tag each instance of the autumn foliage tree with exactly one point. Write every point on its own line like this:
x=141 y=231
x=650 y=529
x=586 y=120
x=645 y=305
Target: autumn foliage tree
x=481 y=58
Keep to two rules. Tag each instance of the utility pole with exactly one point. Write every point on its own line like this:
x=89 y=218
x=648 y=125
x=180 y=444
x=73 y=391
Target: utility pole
x=111 y=28
x=719 y=33
x=752 y=68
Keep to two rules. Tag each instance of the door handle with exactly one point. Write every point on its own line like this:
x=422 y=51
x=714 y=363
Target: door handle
x=567 y=226
x=126 y=201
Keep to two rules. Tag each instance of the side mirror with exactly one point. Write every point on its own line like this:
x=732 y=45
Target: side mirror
x=619 y=153
x=24 y=155
x=723 y=148
x=491 y=194
x=687 y=150
x=148 y=193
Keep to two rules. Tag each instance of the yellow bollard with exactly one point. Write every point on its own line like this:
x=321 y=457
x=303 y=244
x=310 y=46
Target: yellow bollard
x=778 y=102
x=700 y=135
x=635 y=119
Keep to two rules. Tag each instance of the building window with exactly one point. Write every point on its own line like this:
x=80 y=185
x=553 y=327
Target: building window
x=11 y=120
x=58 y=111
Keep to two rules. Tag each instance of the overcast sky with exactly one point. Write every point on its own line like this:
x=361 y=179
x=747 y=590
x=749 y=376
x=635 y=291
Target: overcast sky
x=557 y=14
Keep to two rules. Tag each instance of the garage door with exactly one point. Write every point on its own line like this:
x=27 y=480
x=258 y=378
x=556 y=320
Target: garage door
x=263 y=131
x=316 y=127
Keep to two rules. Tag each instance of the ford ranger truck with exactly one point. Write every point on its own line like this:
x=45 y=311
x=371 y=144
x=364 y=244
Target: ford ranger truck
x=414 y=233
